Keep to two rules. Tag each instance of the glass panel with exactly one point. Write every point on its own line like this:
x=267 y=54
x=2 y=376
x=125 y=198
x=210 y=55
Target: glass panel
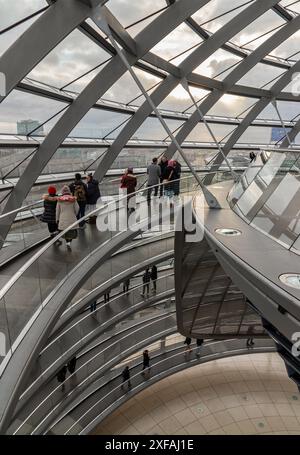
x=208 y=16
x=22 y=112
x=176 y=42
x=75 y=55
x=218 y=62
x=98 y=124
x=261 y=26
x=249 y=198
x=134 y=11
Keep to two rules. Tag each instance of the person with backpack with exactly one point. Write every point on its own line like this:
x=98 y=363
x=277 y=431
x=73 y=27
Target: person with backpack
x=153 y=276
x=49 y=214
x=93 y=194
x=66 y=214
x=126 y=378
x=79 y=190
x=146 y=282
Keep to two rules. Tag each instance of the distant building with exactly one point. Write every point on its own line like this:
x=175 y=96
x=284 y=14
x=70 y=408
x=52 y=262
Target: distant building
x=25 y=127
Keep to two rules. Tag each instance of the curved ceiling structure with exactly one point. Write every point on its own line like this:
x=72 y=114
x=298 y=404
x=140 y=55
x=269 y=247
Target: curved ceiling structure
x=237 y=58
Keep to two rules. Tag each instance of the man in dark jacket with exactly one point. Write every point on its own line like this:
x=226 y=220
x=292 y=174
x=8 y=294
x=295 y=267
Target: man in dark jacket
x=153 y=276
x=146 y=362
x=126 y=378
x=79 y=190
x=146 y=282
x=177 y=172
x=93 y=194
x=163 y=173
x=72 y=365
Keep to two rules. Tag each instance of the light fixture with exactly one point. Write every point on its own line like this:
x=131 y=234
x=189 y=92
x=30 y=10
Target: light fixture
x=229 y=232
x=291 y=279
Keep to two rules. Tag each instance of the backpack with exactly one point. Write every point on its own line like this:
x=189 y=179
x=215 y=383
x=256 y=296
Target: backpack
x=79 y=193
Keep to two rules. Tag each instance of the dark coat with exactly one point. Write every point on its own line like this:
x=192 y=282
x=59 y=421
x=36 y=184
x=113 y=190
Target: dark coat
x=176 y=183
x=126 y=374
x=146 y=359
x=146 y=277
x=93 y=192
x=153 y=273
x=61 y=375
x=72 y=365
x=49 y=215
x=163 y=168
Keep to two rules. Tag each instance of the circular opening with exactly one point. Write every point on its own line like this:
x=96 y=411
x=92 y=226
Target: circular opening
x=228 y=231
x=291 y=279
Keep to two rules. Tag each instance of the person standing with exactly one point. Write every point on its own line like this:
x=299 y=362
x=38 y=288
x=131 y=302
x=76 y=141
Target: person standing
x=163 y=164
x=126 y=378
x=79 y=190
x=177 y=174
x=146 y=362
x=153 y=276
x=49 y=214
x=188 y=341
x=199 y=343
x=154 y=173
x=168 y=181
x=106 y=296
x=146 y=282
x=61 y=376
x=72 y=365
x=93 y=306
x=66 y=214
x=93 y=194
x=128 y=183
x=126 y=285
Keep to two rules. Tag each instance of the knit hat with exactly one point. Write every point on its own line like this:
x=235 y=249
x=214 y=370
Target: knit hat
x=65 y=190
x=52 y=190
x=130 y=169
x=171 y=163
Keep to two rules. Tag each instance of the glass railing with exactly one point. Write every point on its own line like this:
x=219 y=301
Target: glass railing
x=267 y=196
x=28 y=291
x=108 y=351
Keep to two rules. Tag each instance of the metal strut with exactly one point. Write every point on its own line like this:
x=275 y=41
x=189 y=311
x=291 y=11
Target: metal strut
x=211 y=200
x=274 y=103
x=186 y=86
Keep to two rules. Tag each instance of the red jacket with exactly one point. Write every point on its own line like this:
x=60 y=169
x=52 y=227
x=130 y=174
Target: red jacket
x=129 y=182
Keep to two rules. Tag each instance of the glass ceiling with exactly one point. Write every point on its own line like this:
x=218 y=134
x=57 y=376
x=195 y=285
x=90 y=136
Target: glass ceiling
x=85 y=58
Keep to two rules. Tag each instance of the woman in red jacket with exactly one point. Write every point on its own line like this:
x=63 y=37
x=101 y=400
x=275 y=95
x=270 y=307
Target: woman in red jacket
x=128 y=183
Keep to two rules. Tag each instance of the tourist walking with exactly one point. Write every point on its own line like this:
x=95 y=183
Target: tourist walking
x=66 y=212
x=199 y=343
x=163 y=164
x=177 y=174
x=128 y=184
x=126 y=285
x=154 y=173
x=169 y=178
x=126 y=378
x=146 y=362
x=79 y=190
x=72 y=365
x=93 y=194
x=187 y=342
x=146 y=282
x=61 y=376
x=49 y=214
x=153 y=276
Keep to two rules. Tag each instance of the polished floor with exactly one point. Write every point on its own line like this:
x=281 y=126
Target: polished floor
x=243 y=395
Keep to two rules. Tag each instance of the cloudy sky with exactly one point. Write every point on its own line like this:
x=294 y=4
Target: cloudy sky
x=77 y=54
